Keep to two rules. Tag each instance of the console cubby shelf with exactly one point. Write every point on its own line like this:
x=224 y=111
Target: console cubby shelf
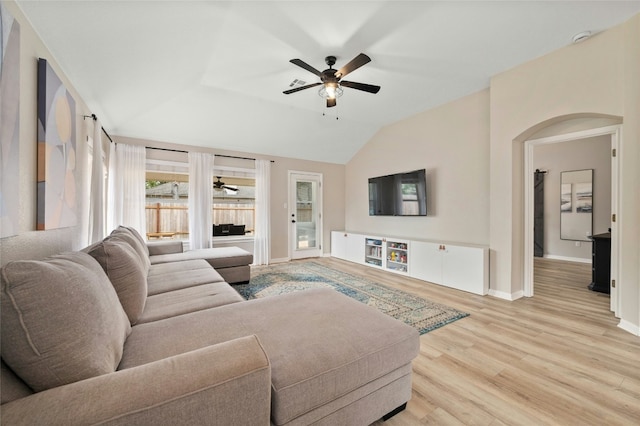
x=373 y=252
x=397 y=255
x=461 y=266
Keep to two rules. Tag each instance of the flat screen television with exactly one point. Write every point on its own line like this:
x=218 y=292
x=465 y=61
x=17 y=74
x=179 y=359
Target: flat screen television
x=400 y=194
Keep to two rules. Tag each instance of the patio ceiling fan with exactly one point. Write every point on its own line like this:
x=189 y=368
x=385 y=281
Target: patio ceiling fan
x=331 y=79
x=219 y=186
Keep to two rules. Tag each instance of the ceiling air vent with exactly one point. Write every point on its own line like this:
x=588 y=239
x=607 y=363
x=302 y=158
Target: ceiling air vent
x=297 y=82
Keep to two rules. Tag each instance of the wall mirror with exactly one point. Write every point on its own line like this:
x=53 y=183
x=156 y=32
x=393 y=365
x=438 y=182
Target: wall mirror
x=576 y=205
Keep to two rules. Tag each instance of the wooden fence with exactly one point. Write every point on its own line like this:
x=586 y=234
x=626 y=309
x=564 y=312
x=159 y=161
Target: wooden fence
x=174 y=217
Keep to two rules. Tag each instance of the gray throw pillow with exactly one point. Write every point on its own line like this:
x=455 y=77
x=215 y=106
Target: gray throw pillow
x=61 y=320
x=126 y=273
x=141 y=249
x=136 y=234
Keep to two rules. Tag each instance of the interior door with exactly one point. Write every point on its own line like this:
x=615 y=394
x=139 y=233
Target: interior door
x=305 y=214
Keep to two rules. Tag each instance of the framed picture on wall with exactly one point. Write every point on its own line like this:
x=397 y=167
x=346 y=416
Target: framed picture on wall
x=584 y=197
x=57 y=192
x=565 y=198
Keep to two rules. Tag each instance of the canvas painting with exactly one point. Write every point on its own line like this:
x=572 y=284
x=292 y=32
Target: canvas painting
x=57 y=193
x=565 y=198
x=9 y=123
x=584 y=197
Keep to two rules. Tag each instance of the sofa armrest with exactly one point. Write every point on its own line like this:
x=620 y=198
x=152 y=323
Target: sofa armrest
x=224 y=384
x=164 y=247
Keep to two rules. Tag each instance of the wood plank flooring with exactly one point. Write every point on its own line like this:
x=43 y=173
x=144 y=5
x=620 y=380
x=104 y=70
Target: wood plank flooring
x=554 y=359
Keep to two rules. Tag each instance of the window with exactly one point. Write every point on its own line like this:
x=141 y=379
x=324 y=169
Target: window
x=167 y=206
x=167 y=196
x=235 y=207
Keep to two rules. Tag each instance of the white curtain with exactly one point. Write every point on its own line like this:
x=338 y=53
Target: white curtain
x=200 y=199
x=97 y=222
x=126 y=201
x=263 y=208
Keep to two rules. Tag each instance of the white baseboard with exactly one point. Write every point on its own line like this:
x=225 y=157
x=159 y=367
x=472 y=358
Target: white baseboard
x=566 y=258
x=631 y=328
x=280 y=260
x=506 y=296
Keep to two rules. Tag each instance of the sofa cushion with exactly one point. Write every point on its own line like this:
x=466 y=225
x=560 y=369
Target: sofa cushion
x=164 y=247
x=141 y=249
x=191 y=299
x=186 y=265
x=11 y=385
x=61 y=320
x=352 y=344
x=179 y=279
x=236 y=274
x=218 y=257
x=138 y=237
x=125 y=271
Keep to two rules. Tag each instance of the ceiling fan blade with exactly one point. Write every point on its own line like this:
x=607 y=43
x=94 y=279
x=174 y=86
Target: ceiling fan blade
x=355 y=63
x=297 y=89
x=230 y=188
x=331 y=102
x=361 y=86
x=306 y=66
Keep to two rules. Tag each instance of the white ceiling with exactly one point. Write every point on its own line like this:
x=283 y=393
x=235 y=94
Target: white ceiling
x=211 y=73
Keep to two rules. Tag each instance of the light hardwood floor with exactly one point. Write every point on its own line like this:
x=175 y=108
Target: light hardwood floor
x=554 y=359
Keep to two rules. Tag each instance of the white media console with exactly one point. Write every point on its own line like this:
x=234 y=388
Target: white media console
x=460 y=266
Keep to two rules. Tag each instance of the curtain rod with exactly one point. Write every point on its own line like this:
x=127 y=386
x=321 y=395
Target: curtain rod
x=217 y=155
x=94 y=119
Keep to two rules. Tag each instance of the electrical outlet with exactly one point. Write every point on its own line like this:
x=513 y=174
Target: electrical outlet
x=578 y=244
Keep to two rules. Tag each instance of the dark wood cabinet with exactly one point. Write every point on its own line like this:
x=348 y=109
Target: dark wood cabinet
x=601 y=263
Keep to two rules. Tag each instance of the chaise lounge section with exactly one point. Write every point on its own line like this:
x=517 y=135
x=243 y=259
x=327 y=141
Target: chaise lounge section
x=231 y=262
x=78 y=347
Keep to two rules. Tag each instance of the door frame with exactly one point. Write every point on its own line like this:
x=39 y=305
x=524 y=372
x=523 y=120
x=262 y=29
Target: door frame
x=615 y=132
x=292 y=208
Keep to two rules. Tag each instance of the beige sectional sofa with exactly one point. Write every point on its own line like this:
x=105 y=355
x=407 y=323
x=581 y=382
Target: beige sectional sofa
x=103 y=336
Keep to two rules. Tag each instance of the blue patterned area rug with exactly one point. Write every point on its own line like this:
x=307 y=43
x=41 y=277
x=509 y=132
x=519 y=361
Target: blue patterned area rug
x=419 y=313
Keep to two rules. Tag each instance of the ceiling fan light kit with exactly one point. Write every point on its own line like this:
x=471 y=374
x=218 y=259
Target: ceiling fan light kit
x=331 y=79
x=330 y=91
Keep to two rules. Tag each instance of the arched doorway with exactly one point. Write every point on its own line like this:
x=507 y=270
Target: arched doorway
x=558 y=130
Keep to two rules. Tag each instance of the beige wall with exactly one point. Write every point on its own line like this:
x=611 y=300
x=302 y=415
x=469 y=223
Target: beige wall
x=593 y=78
x=452 y=143
x=333 y=182
x=591 y=153
x=30 y=243
x=630 y=179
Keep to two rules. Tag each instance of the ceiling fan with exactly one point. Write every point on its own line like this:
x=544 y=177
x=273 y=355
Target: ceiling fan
x=219 y=185
x=331 y=79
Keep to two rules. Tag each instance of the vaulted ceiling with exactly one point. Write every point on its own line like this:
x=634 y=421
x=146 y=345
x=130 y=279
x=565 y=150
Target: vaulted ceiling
x=211 y=73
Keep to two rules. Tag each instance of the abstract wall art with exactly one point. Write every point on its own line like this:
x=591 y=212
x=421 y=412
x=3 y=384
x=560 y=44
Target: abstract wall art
x=565 y=198
x=584 y=197
x=9 y=123
x=57 y=195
